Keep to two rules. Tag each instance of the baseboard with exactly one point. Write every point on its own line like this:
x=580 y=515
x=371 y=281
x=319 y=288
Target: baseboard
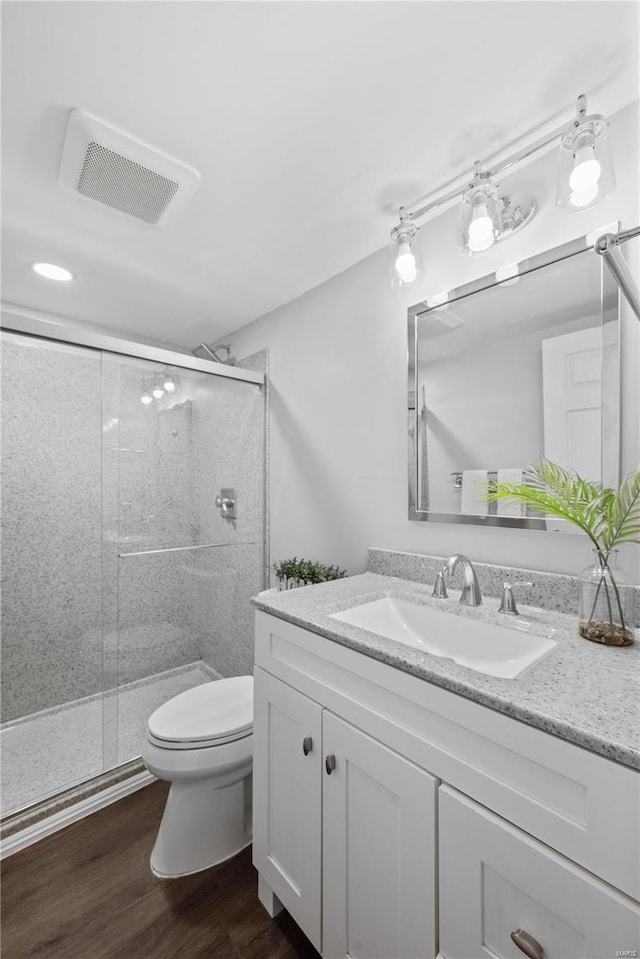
x=45 y=827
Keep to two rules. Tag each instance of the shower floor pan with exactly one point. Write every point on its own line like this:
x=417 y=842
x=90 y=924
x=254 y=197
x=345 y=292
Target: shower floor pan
x=47 y=752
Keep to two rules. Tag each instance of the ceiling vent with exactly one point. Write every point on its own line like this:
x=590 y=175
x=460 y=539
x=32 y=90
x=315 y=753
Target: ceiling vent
x=110 y=167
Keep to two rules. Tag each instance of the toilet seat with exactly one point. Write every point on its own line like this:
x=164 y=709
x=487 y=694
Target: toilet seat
x=195 y=744
x=209 y=715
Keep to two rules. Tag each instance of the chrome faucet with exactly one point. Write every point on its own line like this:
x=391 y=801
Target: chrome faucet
x=471 y=595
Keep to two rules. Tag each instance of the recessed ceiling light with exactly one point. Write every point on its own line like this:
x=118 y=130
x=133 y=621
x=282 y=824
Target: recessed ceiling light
x=53 y=272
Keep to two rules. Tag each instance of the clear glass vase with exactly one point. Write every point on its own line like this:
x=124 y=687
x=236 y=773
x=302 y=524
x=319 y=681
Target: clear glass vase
x=606 y=613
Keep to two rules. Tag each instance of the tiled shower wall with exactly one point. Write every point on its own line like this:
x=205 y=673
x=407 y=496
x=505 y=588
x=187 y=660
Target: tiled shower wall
x=51 y=525
x=230 y=453
x=152 y=485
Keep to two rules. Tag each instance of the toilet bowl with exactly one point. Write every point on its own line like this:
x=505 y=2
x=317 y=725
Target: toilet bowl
x=201 y=741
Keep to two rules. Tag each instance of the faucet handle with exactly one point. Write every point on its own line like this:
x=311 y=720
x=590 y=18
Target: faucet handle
x=439 y=587
x=508 y=603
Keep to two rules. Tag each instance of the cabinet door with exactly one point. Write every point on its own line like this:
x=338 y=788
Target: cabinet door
x=287 y=790
x=495 y=880
x=378 y=850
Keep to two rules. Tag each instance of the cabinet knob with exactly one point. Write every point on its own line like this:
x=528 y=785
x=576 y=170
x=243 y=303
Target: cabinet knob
x=307 y=745
x=527 y=944
x=330 y=763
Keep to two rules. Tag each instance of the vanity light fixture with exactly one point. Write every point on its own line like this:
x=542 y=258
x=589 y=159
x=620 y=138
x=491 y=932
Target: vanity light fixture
x=403 y=268
x=51 y=271
x=585 y=170
x=585 y=176
x=480 y=214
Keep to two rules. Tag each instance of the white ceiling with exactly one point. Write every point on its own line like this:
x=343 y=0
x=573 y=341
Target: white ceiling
x=308 y=122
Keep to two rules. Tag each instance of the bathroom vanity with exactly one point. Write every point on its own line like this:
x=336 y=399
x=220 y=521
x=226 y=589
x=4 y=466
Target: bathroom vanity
x=406 y=806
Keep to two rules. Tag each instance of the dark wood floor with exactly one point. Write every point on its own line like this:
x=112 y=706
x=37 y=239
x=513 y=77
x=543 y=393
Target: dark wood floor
x=87 y=893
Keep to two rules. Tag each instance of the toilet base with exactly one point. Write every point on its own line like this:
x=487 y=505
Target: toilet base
x=202 y=826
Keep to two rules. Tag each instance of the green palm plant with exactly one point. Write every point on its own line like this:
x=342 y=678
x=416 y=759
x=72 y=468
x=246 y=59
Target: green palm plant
x=609 y=518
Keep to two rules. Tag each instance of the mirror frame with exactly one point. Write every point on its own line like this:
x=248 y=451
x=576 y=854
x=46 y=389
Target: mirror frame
x=610 y=399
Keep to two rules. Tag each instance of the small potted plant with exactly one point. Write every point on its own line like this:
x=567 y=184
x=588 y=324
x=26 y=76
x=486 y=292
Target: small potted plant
x=295 y=572
x=609 y=518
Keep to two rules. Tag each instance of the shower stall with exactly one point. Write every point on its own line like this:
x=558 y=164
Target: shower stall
x=123 y=583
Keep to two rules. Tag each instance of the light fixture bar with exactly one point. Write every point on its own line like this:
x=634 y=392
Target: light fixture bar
x=510 y=161
x=585 y=177
x=523 y=154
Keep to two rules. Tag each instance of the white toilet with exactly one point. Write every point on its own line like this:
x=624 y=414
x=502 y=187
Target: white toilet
x=202 y=743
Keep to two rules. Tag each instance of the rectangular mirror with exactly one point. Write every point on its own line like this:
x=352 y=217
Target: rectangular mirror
x=516 y=366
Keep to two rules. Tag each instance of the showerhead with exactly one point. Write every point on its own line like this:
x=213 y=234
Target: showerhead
x=211 y=353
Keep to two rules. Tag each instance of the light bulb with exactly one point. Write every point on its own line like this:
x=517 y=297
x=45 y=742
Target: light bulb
x=586 y=171
x=169 y=385
x=482 y=241
x=405 y=264
x=480 y=229
x=585 y=198
x=146 y=399
x=158 y=392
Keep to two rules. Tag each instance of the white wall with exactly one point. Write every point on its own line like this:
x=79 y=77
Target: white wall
x=339 y=389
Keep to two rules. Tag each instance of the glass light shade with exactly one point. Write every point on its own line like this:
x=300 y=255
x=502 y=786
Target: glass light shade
x=585 y=169
x=480 y=217
x=158 y=392
x=404 y=268
x=146 y=399
x=169 y=385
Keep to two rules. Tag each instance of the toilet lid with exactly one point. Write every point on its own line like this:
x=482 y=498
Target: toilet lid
x=215 y=712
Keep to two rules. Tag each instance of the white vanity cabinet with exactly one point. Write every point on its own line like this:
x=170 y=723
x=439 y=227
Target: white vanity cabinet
x=369 y=783
x=344 y=830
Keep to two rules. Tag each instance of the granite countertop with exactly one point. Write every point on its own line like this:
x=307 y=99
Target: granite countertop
x=582 y=692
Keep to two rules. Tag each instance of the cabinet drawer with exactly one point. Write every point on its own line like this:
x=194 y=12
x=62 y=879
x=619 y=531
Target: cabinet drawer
x=495 y=880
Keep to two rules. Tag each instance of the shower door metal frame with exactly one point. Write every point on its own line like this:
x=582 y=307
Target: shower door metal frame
x=30 y=324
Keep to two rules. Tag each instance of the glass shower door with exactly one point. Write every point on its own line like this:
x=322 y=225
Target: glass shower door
x=123 y=582
x=179 y=574
x=52 y=668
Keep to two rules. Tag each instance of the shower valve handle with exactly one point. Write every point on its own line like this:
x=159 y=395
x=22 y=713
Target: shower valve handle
x=226 y=502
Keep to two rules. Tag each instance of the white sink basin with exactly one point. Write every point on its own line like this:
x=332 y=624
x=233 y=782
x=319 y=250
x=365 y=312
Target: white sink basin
x=495 y=650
